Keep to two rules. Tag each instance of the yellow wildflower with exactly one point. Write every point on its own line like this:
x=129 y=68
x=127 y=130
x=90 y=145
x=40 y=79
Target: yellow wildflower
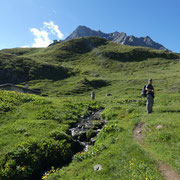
x=43 y=177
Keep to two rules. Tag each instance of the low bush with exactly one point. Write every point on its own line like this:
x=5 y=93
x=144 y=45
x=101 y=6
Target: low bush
x=30 y=159
x=90 y=134
x=9 y=100
x=48 y=112
x=58 y=135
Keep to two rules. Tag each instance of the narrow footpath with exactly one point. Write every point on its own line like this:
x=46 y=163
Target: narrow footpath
x=168 y=172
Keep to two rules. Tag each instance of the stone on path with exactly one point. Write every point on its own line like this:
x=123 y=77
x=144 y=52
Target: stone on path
x=97 y=167
x=159 y=126
x=108 y=94
x=92 y=95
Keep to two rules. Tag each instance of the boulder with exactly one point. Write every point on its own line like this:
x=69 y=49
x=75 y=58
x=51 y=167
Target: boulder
x=97 y=167
x=108 y=94
x=159 y=126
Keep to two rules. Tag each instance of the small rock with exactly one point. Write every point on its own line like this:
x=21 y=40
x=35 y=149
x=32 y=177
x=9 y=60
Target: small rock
x=82 y=143
x=86 y=125
x=138 y=132
x=98 y=130
x=95 y=75
x=87 y=148
x=97 y=167
x=159 y=126
x=108 y=94
x=93 y=140
x=73 y=133
x=79 y=126
x=92 y=95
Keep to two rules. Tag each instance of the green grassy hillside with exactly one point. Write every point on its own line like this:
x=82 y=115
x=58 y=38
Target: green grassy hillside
x=34 y=130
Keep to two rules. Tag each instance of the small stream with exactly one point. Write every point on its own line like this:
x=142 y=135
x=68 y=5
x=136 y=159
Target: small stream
x=84 y=133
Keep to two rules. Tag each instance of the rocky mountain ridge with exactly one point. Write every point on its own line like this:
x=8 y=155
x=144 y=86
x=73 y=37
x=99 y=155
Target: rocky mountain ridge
x=117 y=37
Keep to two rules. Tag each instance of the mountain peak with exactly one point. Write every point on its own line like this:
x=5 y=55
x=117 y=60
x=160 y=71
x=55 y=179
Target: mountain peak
x=147 y=37
x=117 y=37
x=80 y=27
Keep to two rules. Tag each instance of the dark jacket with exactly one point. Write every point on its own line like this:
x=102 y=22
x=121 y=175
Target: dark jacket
x=150 y=86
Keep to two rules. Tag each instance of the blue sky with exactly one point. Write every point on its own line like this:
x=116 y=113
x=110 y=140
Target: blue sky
x=37 y=22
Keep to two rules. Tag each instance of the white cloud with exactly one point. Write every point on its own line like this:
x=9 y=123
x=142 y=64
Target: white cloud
x=54 y=29
x=25 y=46
x=41 y=39
x=42 y=35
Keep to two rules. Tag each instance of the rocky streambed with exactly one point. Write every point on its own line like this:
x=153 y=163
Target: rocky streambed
x=84 y=133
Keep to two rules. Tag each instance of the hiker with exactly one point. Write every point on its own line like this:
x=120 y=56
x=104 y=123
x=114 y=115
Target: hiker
x=150 y=96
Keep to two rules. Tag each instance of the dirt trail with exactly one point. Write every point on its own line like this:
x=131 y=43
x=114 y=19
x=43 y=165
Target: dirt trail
x=167 y=171
x=137 y=132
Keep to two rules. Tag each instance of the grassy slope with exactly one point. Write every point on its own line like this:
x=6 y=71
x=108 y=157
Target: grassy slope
x=127 y=70
x=28 y=121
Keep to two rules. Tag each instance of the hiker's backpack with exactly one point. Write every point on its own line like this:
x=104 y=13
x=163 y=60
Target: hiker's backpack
x=143 y=92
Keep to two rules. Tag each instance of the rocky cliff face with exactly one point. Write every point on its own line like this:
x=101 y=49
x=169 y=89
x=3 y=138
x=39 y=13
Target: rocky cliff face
x=117 y=37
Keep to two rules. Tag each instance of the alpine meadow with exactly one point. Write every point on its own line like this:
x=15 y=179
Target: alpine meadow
x=123 y=142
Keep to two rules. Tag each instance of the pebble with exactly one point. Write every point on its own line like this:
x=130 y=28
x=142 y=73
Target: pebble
x=97 y=167
x=159 y=126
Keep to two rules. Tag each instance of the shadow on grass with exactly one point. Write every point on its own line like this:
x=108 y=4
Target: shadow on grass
x=170 y=111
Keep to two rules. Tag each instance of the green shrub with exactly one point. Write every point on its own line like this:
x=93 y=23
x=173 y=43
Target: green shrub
x=48 y=112
x=112 y=128
x=111 y=113
x=90 y=133
x=5 y=107
x=31 y=159
x=9 y=100
x=58 y=135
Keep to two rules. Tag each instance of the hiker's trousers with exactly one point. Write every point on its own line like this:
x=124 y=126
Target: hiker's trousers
x=150 y=102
